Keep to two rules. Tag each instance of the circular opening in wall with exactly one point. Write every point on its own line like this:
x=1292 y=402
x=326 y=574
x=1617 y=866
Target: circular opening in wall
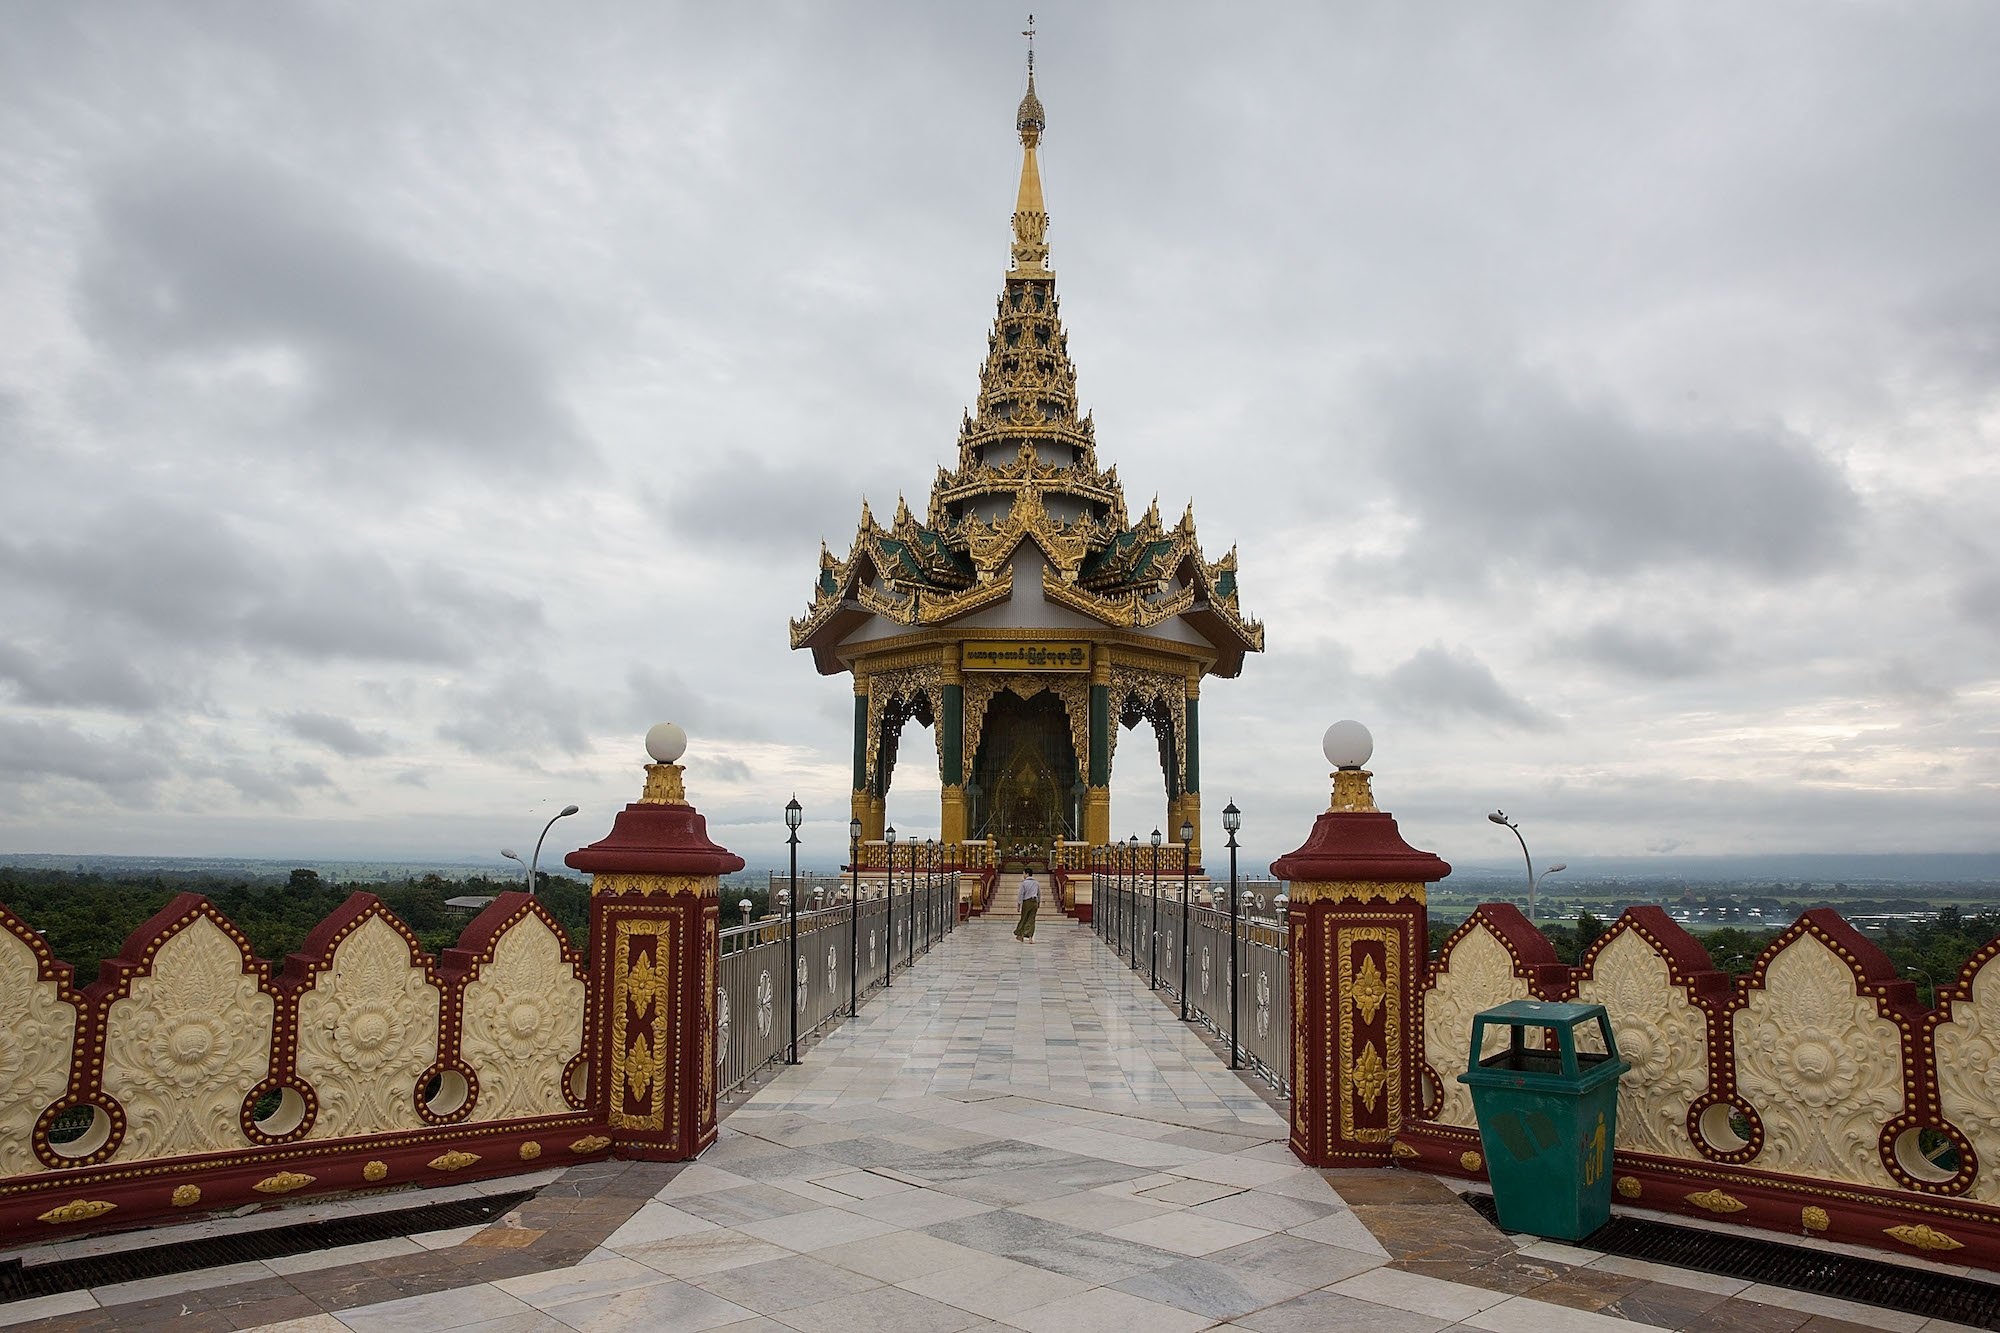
x=578 y=1083
x=447 y=1093
x=79 y=1131
x=1725 y=1128
x=278 y=1112
x=1927 y=1154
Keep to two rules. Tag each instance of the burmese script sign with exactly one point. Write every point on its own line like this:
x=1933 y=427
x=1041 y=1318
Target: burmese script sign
x=988 y=655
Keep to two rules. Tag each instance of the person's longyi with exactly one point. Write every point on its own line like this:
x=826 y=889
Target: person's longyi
x=1031 y=895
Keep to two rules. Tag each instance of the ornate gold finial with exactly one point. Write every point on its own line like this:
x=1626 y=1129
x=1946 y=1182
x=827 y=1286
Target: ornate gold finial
x=1031 y=217
x=663 y=785
x=1351 y=792
x=1030 y=120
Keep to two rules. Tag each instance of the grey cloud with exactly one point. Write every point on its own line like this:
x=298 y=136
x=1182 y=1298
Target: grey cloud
x=31 y=750
x=659 y=695
x=338 y=734
x=1439 y=683
x=522 y=715
x=189 y=578
x=1911 y=682
x=741 y=499
x=1978 y=600
x=277 y=787
x=723 y=768
x=199 y=255
x=1511 y=467
x=64 y=678
x=1646 y=653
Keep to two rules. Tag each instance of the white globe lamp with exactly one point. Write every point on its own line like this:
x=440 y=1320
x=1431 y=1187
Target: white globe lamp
x=666 y=743
x=1347 y=744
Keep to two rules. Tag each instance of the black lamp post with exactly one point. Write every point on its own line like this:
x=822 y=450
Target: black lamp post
x=1232 y=819
x=1153 y=945
x=1187 y=841
x=889 y=909
x=1133 y=895
x=794 y=815
x=854 y=917
x=930 y=889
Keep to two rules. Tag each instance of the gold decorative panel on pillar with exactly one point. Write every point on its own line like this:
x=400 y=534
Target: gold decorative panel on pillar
x=654 y=922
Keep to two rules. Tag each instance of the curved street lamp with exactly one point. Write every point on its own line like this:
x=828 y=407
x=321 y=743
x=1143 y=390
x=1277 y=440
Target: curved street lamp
x=535 y=862
x=519 y=860
x=1500 y=817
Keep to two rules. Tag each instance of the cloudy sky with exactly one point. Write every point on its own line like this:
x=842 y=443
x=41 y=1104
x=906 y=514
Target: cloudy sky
x=402 y=406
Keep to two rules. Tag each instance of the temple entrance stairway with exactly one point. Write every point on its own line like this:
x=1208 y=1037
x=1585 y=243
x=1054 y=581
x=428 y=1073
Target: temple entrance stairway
x=1007 y=895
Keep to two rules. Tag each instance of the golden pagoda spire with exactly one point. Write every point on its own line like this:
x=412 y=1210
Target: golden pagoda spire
x=1031 y=217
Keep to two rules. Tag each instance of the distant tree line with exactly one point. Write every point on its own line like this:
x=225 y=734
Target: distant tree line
x=85 y=916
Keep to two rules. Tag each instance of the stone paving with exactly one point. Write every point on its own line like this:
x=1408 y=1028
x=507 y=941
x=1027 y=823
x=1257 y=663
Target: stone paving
x=1014 y=1136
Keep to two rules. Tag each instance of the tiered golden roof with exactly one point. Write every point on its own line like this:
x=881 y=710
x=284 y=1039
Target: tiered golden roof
x=1027 y=472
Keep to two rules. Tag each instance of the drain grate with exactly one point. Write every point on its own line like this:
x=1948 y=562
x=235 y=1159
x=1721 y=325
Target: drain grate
x=18 y=1282
x=1868 y=1281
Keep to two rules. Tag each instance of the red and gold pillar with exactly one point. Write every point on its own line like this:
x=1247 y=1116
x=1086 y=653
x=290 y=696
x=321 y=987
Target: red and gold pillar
x=1359 y=939
x=654 y=911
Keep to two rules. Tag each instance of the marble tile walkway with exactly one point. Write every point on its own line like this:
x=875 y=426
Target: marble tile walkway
x=1014 y=1136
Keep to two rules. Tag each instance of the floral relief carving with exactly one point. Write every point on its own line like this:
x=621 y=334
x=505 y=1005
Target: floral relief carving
x=185 y=1044
x=1823 y=1068
x=523 y=1023
x=1968 y=1065
x=367 y=1029
x=908 y=684
x=1149 y=688
x=1476 y=974
x=1662 y=1036
x=36 y=1030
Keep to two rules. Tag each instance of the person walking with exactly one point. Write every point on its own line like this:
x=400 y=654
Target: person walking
x=1031 y=895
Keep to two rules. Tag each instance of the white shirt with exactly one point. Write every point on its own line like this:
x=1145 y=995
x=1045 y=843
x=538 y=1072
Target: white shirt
x=1030 y=889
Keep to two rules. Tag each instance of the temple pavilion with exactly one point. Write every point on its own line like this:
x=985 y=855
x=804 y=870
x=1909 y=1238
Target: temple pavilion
x=1025 y=617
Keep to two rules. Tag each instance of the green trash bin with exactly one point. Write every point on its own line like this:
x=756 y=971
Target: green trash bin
x=1547 y=1118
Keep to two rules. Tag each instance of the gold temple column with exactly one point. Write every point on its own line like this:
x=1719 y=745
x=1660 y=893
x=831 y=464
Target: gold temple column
x=1190 y=802
x=1097 y=794
x=864 y=804
x=951 y=753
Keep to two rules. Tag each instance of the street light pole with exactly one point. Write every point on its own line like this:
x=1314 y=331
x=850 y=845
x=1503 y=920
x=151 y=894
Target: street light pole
x=794 y=815
x=853 y=917
x=563 y=813
x=516 y=858
x=1187 y=841
x=1153 y=949
x=889 y=909
x=1232 y=819
x=1132 y=847
x=1500 y=817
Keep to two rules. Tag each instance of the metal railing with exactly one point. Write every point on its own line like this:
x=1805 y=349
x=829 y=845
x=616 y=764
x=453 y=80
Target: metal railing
x=842 y=960
x=1205 y=964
